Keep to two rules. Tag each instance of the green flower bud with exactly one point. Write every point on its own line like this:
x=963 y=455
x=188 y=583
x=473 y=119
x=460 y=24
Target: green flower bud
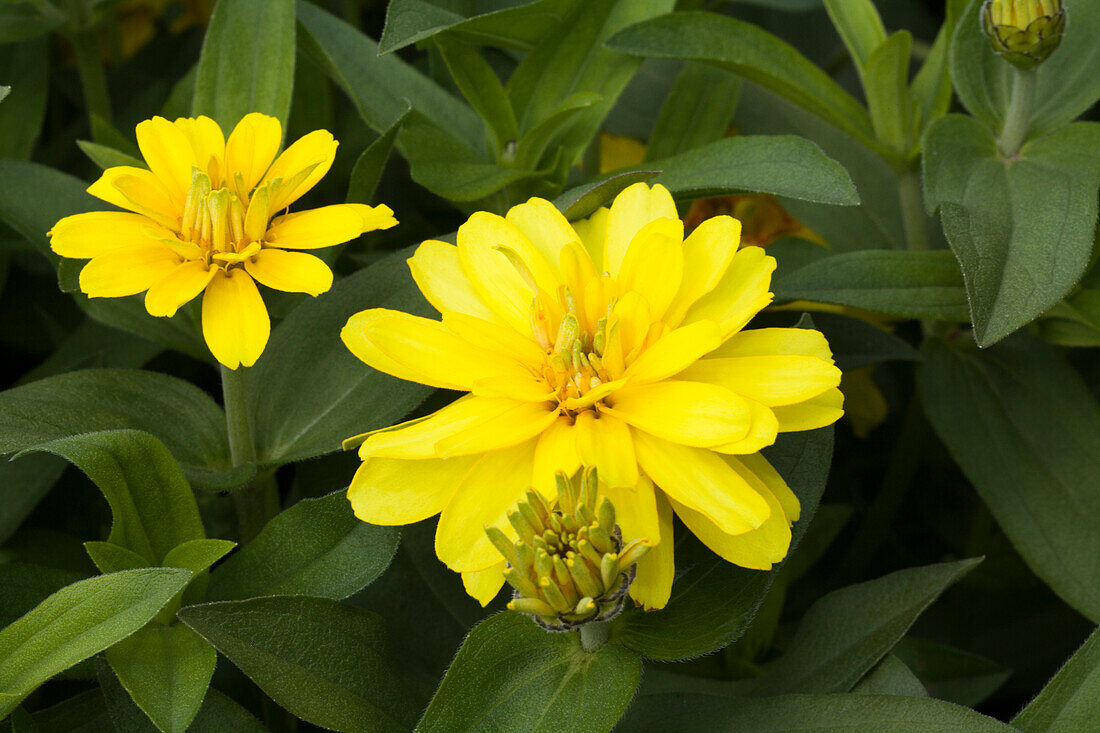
x=569 y=565
x=1024 y=32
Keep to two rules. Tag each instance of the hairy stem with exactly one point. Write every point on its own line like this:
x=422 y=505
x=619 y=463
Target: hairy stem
x=1018 y=118
x=257 y=502
x=594 y=635
x=912 y=211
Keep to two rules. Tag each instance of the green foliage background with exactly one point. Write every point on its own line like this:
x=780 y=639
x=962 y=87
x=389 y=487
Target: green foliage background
x=945 y=567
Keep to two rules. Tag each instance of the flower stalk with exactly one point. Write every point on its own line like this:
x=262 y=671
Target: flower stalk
x=1018 y=117
x=258 y=501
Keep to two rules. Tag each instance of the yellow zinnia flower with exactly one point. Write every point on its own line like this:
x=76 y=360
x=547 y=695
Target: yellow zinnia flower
x=201 y=223
x=614 y=343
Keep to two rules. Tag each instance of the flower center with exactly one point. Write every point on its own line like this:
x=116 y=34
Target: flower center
x=224 y=224
x=574 y=364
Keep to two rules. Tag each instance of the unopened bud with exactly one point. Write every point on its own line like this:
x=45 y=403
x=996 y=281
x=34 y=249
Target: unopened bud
x=1024 y=32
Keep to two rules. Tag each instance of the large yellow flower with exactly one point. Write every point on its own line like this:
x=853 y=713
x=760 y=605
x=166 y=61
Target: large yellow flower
x=613 y=342
x=201 y=222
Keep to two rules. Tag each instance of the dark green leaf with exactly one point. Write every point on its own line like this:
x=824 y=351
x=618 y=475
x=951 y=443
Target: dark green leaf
x=520 y=27
x=951 y=674
x=107 y=157
x=511 y=675
x=111 y=558
x=906 y=284
x=26 y=585
x=371 y=163
x=856 y=343
x=754 y=54
x=783 y=165
x=582 y=201
x=932 y=84
x=323 y=661
x=1018 y=411
x=77 y=622
x=892 y=107
x=699 y=713
x=152 y=505
x=184 y=417
x=697 y=111
x=166 y=670
x=23 y=483
x=316 y=547
x=247 y=61
x=20 y=21
x=315 y=392
x=481 y=87
x=714 y=602
x=848 y=631
x=1071 y=700
x=33 y=198
x=26 y=66
x=859 y=26
x=890 y=677
x=83 y=713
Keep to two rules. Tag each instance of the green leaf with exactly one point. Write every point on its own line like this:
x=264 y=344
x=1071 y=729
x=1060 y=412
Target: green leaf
x=26 y=585
x=1071 y=700
x=372 y=162
x=511 y=675
x=855 y=343
x=181 y=415
x=1022 y=229
x=754 y=54
x=323 y=661
x=23 y=21
x=166 y=670
x=714 y=602
x=481 y=87
x=865 y=713
x=951 y=674
x=316 y=547
x=23 y=484
x=33 y=198
x=573 y=58
x=891 y=676
x=891 y=104
x=582 y=201
x=533 y=145
x=782 y=164
x=82 y=713
x=315 y=392
x=111 y=558
x=27 y=66
x=198 y=555
x=1017 y=410
x=859 y=26
x=848 y=631
x=247 y=62
x=107 y=157
x=906 y=284
x=932 y=84
x=519 y=27
x=77 y=622
x=151 y=504
x=697 y=111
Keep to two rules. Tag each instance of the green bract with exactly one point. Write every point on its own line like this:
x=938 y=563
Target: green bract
x=1024 y=32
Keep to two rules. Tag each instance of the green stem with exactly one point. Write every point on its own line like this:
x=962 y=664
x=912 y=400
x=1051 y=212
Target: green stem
x=257 y=502
x=89 y=62
x=1018 y=118
x=594 y=635
x=912 y=211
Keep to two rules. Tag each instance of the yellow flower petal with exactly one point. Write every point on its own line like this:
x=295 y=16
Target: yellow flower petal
x=632 y=209
x=524 y=420
x=375 y=217
x=773 y=341
x=291 y=272
x=757 y=549
x=816 y=412
x=180 y=286
x=169 y=155
x=497 y=282
x=438 y=274
x=606 y=444
x=636 y=510
x=234 y=319
x=497 y=233
x=764 y=471
x=704 y=482
x=388 y=491
x=207 y=145
x=688 y=413
x=653 y=265
x=492 y=336
x=770 y=380
x=252 y=147
x=674 y=352
x=652 y=585
x=556 y=450
x=121 y=273
x=419 y=350
x=484 y=585
x=762 y=432
x=315 y=228
x=139 y=191
x=83 y=236
x=317 y=149
x=545 y=227
x=741 y=294
x=708 y=252
x=593 y=234
x=492 y=487
x=523 y=387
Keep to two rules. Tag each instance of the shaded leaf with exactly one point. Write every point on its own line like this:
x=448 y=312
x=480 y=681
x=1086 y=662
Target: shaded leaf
x=1071 y=700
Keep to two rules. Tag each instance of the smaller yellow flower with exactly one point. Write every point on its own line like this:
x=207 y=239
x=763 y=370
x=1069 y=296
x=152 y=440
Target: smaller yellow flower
x=199 y=221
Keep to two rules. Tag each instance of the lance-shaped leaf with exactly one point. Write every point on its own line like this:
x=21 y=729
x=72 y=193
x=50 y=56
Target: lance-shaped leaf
x=519 y=27
x=1071 y=700
x=27 y=65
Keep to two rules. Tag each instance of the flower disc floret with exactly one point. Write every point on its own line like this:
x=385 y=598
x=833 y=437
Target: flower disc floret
x=614 y=342
x=204 y=218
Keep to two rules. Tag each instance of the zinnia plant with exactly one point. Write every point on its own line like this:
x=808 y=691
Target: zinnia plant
x=199 y=221
x=614 y=342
